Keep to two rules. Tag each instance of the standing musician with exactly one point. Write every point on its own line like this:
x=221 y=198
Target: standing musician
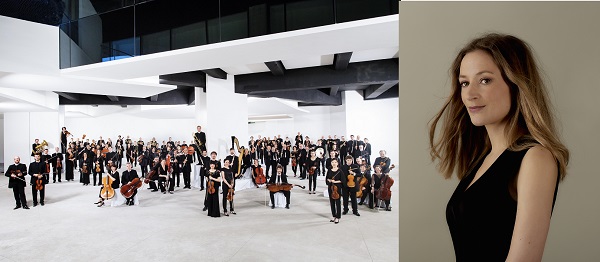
x=343 y=147
x=233 y=161
x=320 y=144
x=302 y=155
x=383 y=161
x=213 y=158
x=128 y=176
x=285 y=158
x=228 y=179
x=278 y=179
x=57 y=165
x=87 y=165
x=113 y=175
x=294 y=157
x=119 y=157
x=268 y=155
x=16 y=173
x=313 y=164
x=274 y=160
x=333 y=179
x=144 y=159
x=69 y=164
x=211 y=199
x=45 y=158
x=203 y=162
x=368 y=151
x=351 y=145
x=36 y=170
x=175 y=163
x=332 y=155
x=98 y=167
x=140 y=146
x=360 y=152
x=298 y=139
x=186 y=168
x=34 y=146
x=349 y=191
x=63 y=140
x=199 y=143
x=130 y=151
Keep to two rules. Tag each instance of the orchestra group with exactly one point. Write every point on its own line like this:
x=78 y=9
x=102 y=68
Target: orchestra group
x=345 y=165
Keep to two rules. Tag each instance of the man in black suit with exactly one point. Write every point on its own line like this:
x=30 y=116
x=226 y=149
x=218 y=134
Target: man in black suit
x=128 y=176
x=279 y=179
x=199 y=142
x=16 y=173
x=36 y=170
x=349 y=192
x=234 y=160
x=56 y=159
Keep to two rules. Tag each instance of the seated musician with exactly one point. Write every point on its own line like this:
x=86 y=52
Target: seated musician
x=127 y=176
x=279 y=179
x=113 y=176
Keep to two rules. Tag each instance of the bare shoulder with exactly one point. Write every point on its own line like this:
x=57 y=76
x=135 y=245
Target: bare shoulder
x=538 y=165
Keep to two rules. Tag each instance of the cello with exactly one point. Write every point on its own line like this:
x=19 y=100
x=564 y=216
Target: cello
x=259 y=176
x=107 y=191
x=128 y=189
x=384 y=192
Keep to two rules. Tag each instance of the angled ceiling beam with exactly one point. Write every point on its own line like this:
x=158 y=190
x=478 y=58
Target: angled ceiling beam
x=341 y=60
x=357 y=74
x=216 y=73
x=374 y=91
x=70 y=96
x=113 y=98
x=193 y=78
x=333 y=90
x=307 y=96
x=276 y=67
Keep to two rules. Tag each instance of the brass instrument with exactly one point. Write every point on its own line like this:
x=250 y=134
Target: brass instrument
x=196 y=141
x=39 y=148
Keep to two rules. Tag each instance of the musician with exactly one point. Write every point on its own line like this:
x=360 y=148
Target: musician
x=140 y=146
x=233 y=160
x=332 y=156
x=87 y=165
x=36 y=170
x=285 y=158
x=101 y=142
x=256 y=170
x=163 y=176
x=367 y=189
x=368 y=151
x=171 y=143
x=343 y=147
x=294 y=157
x=186 y=161
x=351 y=145
x=383 y=161
x=45 y=158
x=349 y=192
x=228 y=179
x=113 y=175
x=119 y=156
x=204 y=163
x=302 y=156
x=211 y=201
x=16 y=173
x=312 y=166
x=154 y=143
x=268 y=155
x=378 y=179
x=213 y=159
x=108 y=142
x=34 y=146
x=98 y=168
x=155 y=168
x=63 y=140
x=333 y=177
x=298 y=139
x=69 y=164
x=320 y=144
x=129 y=151
x=278 y=179
x=128 y=176
x=359 y=142
x=144 y=159
x=56 y=165
x=110 y=156
x=287 y=143
x=260 y=149
x=201 y=137
x=175 y=167
x=246 y=161
x=274 y=160
x=360 y=152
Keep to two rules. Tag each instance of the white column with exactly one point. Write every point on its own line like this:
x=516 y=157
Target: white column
x=200 y=106
x=227 y=115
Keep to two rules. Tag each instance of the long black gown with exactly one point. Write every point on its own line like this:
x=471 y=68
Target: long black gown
x=212 y=200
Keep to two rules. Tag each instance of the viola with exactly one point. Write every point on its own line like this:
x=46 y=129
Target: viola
x=294 y=161
x=230 y=194
x=311 y=170
x=334 y=192
x=361 y=184
x=211 y=187
x=351 y=182
x=260 y=177
x=107 y=191
x=39 y=184
x=58 y=163
x=128 y=189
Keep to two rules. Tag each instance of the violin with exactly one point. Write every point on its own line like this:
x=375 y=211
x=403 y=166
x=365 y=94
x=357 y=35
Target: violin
x=128 y=189
x=47 y=168
x=351 y=182
x=107 y=191
x=211 y=187
x=84 y=169
x=58 y=163
x=230 y=194
x=39 y=184
x=294 y=161
x=260 y=177
x=334 y=192
x=311 y=171
x=361 y=184
x=98 y=167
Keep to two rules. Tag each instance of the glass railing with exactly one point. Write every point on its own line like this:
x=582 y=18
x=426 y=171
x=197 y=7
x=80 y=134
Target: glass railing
x=103 y=30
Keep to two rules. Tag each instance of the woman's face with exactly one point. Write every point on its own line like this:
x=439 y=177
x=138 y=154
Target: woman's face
x=483 y=90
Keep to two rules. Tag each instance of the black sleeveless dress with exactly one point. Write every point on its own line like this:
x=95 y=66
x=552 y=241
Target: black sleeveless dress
x=481 y=218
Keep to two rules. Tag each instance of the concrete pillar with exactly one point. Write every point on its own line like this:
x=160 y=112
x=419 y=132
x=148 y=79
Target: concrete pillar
x=227 y=115
x=200 y=107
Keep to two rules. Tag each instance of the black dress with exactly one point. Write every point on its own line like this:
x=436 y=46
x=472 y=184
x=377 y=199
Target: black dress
x=481 y=218
x=212 y=200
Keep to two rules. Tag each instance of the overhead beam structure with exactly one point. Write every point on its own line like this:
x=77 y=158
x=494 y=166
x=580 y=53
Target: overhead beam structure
x=277 y=68
x=341 y=60
x=216 y=73
x=374 y=91
x=306 y=96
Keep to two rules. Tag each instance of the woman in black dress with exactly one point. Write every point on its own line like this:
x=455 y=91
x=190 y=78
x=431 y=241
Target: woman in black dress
x=294 y=159
x=498 y=135
x=333 y=179
x=86 y=168
x=228 y=180
x=69 y=164
x=313 y=164
x=212 y=199
x=98 y=168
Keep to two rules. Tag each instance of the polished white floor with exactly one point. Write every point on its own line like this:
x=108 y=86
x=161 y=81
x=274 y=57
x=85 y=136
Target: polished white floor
x=173 y=227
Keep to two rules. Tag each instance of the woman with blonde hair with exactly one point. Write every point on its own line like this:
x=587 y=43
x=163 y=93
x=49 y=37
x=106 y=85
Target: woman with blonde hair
x=498 y=135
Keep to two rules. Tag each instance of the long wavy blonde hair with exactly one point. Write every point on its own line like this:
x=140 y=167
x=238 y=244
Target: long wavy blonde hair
x=461 y=145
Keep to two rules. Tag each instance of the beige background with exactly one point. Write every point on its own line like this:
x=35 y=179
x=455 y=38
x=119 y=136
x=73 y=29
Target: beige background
x=566 y=39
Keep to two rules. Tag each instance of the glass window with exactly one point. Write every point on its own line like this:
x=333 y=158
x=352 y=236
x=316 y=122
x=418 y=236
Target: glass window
x=350 y=10
x=189 y=35
x=310 y=13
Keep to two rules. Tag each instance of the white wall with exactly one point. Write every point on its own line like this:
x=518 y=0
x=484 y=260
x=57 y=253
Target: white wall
x=136 y=127
x=20 y=130
x=565 y=39
x=2 y=139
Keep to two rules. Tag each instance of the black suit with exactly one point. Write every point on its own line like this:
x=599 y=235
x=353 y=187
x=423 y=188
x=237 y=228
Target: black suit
x=349 y=191
x=37 y=168
x=285 y=160
x=17 y=184
x=283 y=180
x=57 y=157
x=127 y=177
x=186 y=169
